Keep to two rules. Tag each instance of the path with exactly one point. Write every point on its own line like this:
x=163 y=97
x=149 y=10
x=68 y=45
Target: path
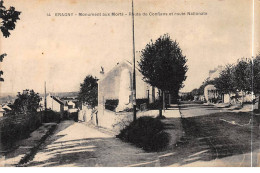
x=75 y=144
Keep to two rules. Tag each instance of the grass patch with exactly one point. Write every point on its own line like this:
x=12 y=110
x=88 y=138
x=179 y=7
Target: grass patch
x=227 y=138
x=147 y=133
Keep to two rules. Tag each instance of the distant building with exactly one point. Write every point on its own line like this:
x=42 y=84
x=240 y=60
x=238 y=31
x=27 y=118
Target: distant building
x=183 y=94
x=53 y=103
x=210 y=93
x=215 y=72
x=71 y=105
x=6 y=108
x=2 y=111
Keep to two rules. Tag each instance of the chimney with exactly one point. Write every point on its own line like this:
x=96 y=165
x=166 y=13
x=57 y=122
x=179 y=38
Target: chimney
x=102 y=72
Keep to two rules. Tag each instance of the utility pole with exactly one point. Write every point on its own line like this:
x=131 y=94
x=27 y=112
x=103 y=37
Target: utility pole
x=45 y=101
x=133 y=70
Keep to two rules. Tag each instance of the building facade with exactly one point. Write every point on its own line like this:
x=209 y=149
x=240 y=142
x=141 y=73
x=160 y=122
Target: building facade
x=115 y=89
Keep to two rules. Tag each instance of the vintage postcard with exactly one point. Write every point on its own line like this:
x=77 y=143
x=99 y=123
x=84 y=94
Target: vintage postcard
x=129 y=83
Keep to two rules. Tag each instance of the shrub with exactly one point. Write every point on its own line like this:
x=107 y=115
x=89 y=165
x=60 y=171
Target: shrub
x=16 y=127
x=50 y=116
x=141 y=101
x=146 y=133
x=73 y=116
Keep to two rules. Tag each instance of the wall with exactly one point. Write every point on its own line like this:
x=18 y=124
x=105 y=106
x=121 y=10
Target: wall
x=114 y=121
x=210 y=92
x=226 y=98
x=85 y=114
x=106 y=118
x=109 y=85
x=52 y=104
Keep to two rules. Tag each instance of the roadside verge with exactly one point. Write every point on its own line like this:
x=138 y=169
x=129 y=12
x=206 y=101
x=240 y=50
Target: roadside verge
x=27 y=148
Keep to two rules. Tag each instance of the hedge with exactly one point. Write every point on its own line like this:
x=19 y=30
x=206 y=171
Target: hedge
x=16 y=127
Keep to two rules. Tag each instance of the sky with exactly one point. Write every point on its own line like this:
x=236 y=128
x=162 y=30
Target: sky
x=62 y=50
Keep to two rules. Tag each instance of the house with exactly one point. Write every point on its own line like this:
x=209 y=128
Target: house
x=66 y=107
x=53 y=103
x=2 y=112
x=115 y=93
x=211 y=93
x=7 y=108
x=71 y=105
x=117 y=85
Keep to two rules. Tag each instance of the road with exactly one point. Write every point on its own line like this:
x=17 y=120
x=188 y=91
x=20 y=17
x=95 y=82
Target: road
x=212 y=137
x=194 y=110
x=75 y=144
x=223 y=137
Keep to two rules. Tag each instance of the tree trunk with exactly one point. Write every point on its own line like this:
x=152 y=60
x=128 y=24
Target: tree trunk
x=163 y=101
x=160 y=112
x=229 y=95
x=242 y=99
x=169 y=99
x=153 y=94
x=259 y=102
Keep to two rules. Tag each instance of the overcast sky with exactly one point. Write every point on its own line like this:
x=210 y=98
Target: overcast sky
x=63 y=50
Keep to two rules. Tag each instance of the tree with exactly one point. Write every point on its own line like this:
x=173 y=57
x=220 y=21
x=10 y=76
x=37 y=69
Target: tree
x=243 y=76
x=256 y=77
x=163 y=65
x=27 y=102
x=225 y=82
x=195 y=93
x=89 y=91
x=1 y=72
x=8 y=18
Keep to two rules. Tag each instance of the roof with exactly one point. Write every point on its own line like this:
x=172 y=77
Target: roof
x=7 y=107
x=210 y=87
x=70 y=103
x=1 y=109
x=118 y=65
x=57 y=100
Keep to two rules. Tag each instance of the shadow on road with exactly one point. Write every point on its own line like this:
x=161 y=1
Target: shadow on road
x=69 y=152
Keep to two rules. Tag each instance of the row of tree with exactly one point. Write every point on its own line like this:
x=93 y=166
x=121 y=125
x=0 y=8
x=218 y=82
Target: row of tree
x=244 y=76
x=241 y=77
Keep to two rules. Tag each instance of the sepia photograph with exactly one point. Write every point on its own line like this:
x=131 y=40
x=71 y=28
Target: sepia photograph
x=129 y=83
